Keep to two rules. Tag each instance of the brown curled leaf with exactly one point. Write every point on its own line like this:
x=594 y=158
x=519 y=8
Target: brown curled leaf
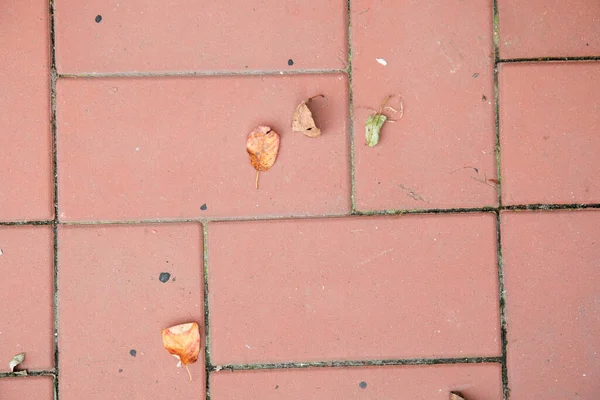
x=303 y=121
x=183 y=341
x=496 y=181
x=456 y=396
x=263 y=146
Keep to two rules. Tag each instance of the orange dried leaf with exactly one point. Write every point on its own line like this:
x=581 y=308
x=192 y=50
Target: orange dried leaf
x=303 y=121
x=183 y=341
x=262 y=145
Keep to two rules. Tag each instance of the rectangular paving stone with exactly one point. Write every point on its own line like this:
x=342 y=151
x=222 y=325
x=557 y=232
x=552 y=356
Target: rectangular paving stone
x=439 y=61
x=552 y=298
x=26 y=147
x=119 y=286
x=481 y=382
x=176 y=148
x=26 y=285
x=31 y=387
x=538 y=28
x=353 y=288
x=177 y=35
x=549 y=118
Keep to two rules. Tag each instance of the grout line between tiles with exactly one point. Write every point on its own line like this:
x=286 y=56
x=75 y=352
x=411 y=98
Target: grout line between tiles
x=547 y=59
x=207 y=362
x=351 y=111
x=358 y=363
x=360 y=213
x=501 y=290
x=55 y=222
x=41 y=372
x=183 y=74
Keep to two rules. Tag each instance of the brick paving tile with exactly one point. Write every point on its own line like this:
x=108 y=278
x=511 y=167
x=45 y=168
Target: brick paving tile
x=538 y=28
x=176 y=148
x=114 y=299
x=26 y=285
x=440 y=59
x=549 y=118
x=481 y=382
x=356 y=288
x=25 y=149
x=32 y=387
x=137 y=35
x=553 y=298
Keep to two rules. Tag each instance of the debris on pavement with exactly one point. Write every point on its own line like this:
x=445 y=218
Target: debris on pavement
x=183 y=341
x=375 y=122
x=16 y=360
x=262 y=145
x=302 y=120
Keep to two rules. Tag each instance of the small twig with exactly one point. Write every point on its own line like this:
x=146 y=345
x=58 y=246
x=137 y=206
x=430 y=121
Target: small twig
x=257 y=172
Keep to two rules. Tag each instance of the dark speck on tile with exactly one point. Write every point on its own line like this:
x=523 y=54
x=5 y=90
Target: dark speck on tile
x=203 y=207
x=290 y=62
x=120 y=370
x=98 y=19
x=164 y=277
x=132 y=352
x=363 y=385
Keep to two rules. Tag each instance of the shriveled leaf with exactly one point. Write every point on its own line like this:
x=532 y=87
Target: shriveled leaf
x=16 y=360
x=496 y=181
x=303 y=121
x=183 y=341
x=456 y=396
x=375 y=122
x=373 y=127
x=263 y=146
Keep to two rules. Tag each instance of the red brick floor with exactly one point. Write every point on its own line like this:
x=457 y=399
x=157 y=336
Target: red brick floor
x=460 y=254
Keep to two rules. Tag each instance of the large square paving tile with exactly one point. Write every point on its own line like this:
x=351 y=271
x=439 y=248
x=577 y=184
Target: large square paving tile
x=553 y=303
x=26 y=147
x=357 y=288
x=26 y=285
x=32 y=387
x=481 y=382
x=549 y=118
x=539 y=28
x=119 y=286
x=176 y=148
x=175 y=35
x=440 y=60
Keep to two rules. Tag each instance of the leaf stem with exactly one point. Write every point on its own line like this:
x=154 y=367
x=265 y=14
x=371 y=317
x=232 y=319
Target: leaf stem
x=188 y=371
x=257 y=172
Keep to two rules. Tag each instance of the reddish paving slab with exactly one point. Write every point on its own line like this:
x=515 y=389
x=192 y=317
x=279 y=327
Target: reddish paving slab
x=26 y=149
x=440 y=59
x=114 y=301
x=354 y=288
x=552 y=297
x=32 y=387
x=26 y=315
x=541 y=28
x=175 y=35
x=549 y=118
x=481 y=382
x=176 y=148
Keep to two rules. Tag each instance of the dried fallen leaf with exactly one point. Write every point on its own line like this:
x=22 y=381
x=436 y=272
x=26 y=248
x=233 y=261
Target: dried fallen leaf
x=183 y=341
x=496 y=181
x=16 y=360
x=456 y=396
x=262 y=145
x=375 y=122
x=302 y=120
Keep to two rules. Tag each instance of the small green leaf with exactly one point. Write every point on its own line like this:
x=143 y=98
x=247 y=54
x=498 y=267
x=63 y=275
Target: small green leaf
x=372 y=128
